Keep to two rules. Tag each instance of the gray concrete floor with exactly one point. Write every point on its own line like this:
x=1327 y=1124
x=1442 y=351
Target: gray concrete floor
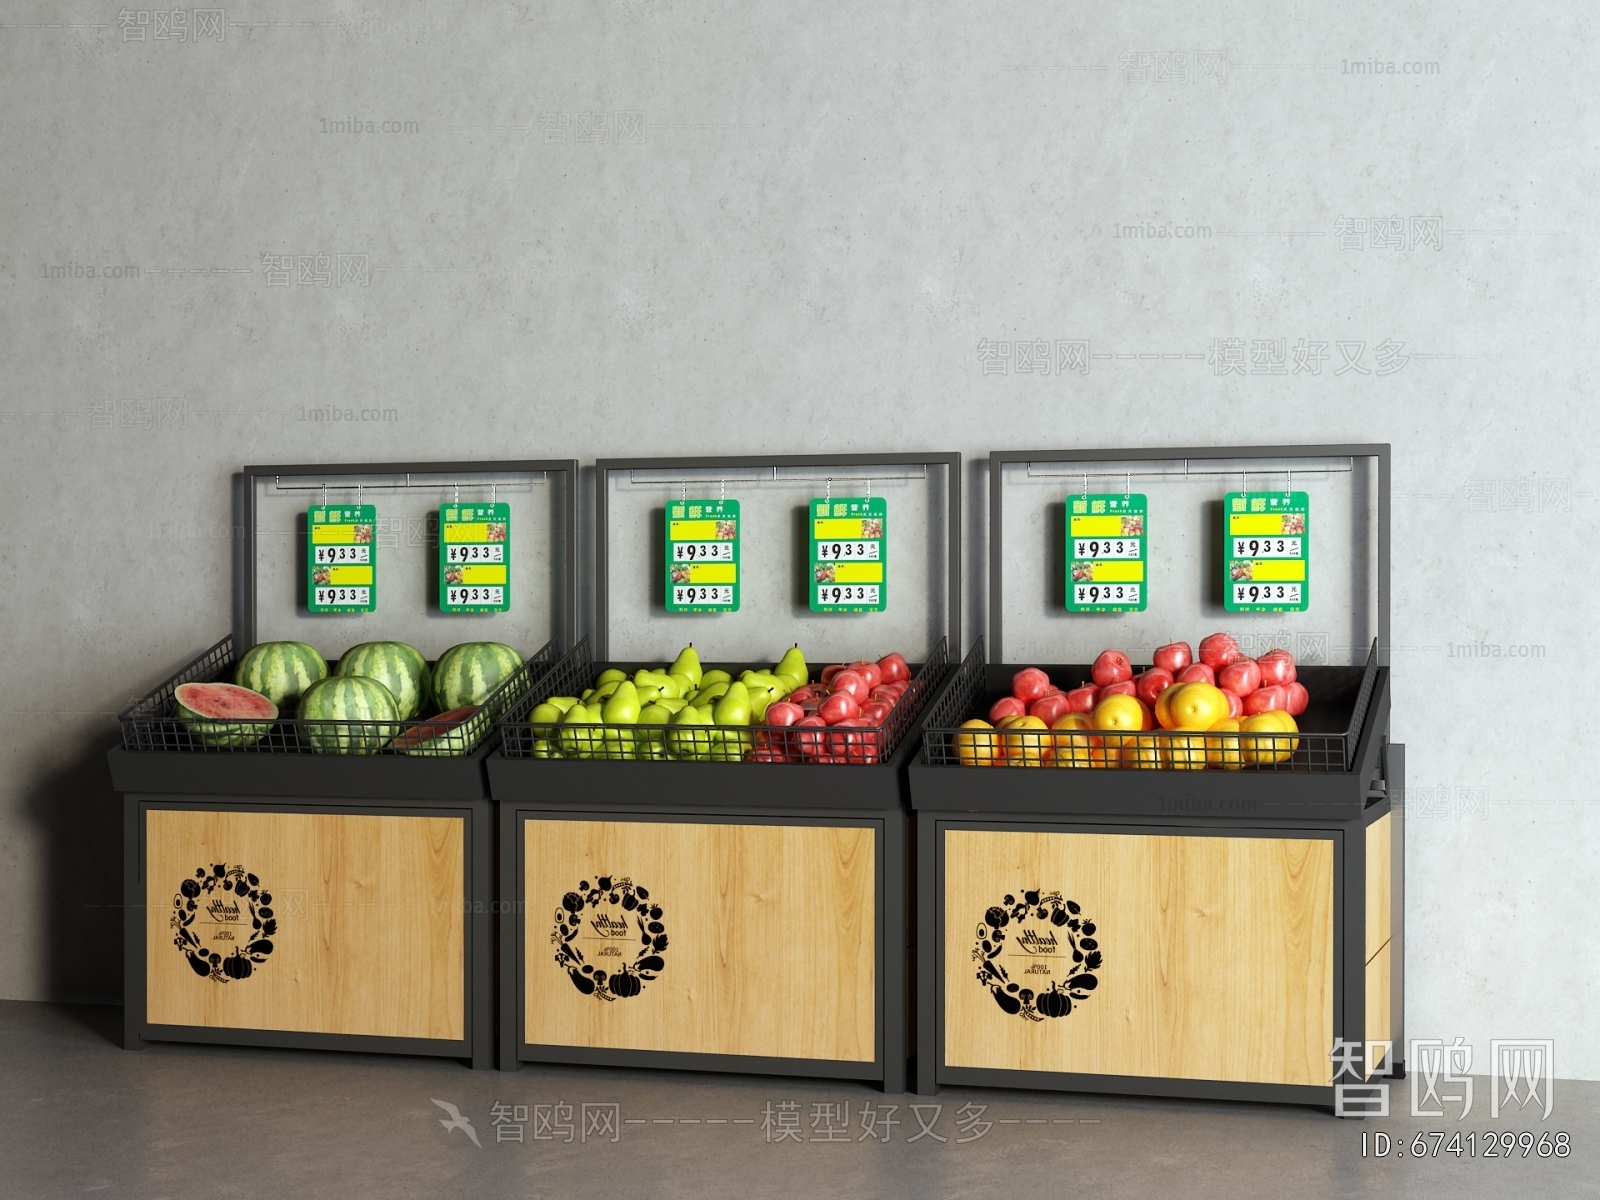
x=82 y=1116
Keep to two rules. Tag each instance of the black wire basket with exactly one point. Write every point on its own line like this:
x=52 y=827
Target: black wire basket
x=835 y=745
x=1314 y=751
x=152 y=723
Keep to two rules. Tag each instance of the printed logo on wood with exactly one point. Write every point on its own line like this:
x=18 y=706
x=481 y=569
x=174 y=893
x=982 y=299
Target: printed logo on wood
x=223 y=923
x=609 y=938
x=1037 y=955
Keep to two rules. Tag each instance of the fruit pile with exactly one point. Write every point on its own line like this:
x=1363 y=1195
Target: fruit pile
x=371 y=700
x=684 y=712
x=1223 y=711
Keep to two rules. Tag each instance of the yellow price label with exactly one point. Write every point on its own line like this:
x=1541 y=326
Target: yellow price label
x=859 y=572
x=461 y=531
x=1096 y=526
x=332 y=535
x=344 y=576
x=1118 y=572
x=484 y=573
x=1257 y=523
x=1278 y=570
x=833 y=527
x=714 y=573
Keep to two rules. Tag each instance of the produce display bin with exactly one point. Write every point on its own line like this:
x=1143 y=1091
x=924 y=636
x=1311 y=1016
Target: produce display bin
x=1208 y=931
x=759 y=908
x=279 y=894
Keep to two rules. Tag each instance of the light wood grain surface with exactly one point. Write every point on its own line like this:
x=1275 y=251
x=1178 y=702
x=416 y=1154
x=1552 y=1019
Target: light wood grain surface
x=1218 y=955
x=1379 y=884
x=369 y=916
x=1379 y=1026
x=771 y=938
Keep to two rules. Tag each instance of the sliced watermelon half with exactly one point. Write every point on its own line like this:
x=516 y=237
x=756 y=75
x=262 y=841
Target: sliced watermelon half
x=224 y=714
x=449 y=734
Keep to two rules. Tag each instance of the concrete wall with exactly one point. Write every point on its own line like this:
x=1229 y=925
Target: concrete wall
x=580 y=229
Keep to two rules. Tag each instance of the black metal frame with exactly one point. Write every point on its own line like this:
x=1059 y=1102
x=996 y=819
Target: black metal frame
x=1349 y=940
x=890 y=927
x=604 y=466
x=245 y=635
x=477 y=1043
x=1376 y=450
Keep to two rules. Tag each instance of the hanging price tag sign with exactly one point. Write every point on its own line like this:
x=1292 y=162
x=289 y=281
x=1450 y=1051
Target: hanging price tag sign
x=702 y=556
x=474 y=558
x=1267 y=551
x=1108 y=553
x=342 y=566
x=849 y=554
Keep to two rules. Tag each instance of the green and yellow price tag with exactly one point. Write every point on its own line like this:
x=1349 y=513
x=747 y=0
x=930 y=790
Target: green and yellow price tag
x=474 y=558
x=342 y=566
x=702 y=556
x=1267 y=551
x=849 y=554
x=1108 y=553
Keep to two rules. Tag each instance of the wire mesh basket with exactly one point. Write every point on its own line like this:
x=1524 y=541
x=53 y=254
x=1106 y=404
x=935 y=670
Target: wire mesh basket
x=945 y=743
x=833 y=745
x=152 y=723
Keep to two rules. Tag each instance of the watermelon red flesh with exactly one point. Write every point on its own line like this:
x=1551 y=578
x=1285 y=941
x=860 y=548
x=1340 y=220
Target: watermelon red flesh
x=435 y=734
x=223 y=702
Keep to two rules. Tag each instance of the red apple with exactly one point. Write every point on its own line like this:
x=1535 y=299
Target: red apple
x=1265 y=699
x=1174 y=657
x=1299 y=698
x=1152 y=683
x=1111 y=667
x=1082 y=699
x=1235 y=703
x=868 y=671
x=1241 y=677
x=849 y=681
x=840 y=706
x=894 y=668
x=1049 y=708
x=1197 y=673
x=784 y=713
x=830 y=671
x=875 y=712
x=809 y=741
x=1218 y=650
x=1006 y=706
x=810 y=705
x=1277 y=666
x=1029 y=684
x=801 y=694
x=889 y=695
x=1125 y=687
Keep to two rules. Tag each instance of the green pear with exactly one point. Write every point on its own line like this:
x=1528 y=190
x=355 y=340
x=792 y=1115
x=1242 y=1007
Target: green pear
x=711 y=677
x=583 y=696
x=673 y=704
x=643 y=676
x=620 y=743
x=610 y=675
x=793 y=664
x=606 y=690
x=649 y=694
x=671 y=686
x=788 y=683
x=685 y=736
x=649 y=740
x=544 y=748
x=685 y=684
x=545 y=714
x=711 y=693
x=562 y=702
x=580 y=735
x=623 y=706
x=687 y=664
x=760 y=701
x=734 y=706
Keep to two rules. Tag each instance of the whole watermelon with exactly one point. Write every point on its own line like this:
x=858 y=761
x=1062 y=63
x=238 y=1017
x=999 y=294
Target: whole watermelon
x=364 y=709
x=399 y=667
x=468 y=673
x=223 y=714
x=281 y=671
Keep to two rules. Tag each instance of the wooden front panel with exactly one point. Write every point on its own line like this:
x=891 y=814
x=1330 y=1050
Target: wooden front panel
x=1217 y=955
x=1379 y=884
x=771 y=938
x=1378 y=1003
x=365 y=917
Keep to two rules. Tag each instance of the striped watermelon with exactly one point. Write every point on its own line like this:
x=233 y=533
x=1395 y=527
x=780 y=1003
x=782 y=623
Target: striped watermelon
x=223 y=714
x=467 y=673
x=399 y=667
x=281 y=671
x=364 y=709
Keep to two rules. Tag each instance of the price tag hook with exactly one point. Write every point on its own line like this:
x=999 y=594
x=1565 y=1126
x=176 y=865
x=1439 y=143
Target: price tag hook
x=828 y=495
x=1289 y=491
x=324 y=494
x=1127 y=485
x=494 y=493
x=869 y=487
x=724 y=496
x=1086 y=485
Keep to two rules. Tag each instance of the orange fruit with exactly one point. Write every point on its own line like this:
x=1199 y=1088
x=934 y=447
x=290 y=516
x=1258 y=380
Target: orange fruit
x=1196 y=706
x=1185 y=752
x=976 y=749
x=1142 y=753
x=1163 y=715
x=1073 y=751
x=1024 y=747
x=1119 y=713
x=1268 y=749
x=1222 y=745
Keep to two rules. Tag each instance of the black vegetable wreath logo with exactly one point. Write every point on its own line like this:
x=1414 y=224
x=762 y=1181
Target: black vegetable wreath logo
x=1046 y=941
x=223 y=922
x=607 y=922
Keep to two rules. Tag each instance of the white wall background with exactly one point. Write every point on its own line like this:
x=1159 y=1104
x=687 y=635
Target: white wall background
x=829 y=208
